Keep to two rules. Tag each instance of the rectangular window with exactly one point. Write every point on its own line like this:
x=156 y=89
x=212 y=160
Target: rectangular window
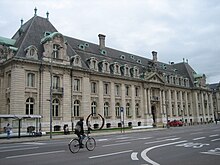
x=136 y=91
x=76 y=85
x=9 y=81
x=106 y=88
x=127 y=90
x=117 y=90
x=93 y=87
x=56 y=82
x=30 y=80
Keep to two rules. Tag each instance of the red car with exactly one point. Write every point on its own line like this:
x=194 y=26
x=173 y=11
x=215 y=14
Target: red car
x=175 y=123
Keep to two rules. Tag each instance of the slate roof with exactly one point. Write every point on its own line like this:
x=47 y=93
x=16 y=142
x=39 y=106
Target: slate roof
x=32 y=32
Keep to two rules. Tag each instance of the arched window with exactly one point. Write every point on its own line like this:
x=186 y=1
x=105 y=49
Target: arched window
x=128 y=113
x=56 y=107
x=76 y=108
x=117 y=110
x=30 y=106
x=106 y=109
x=93 y=108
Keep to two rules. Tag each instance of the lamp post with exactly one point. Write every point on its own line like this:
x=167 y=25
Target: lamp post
x=51 y=95
x=166 y=104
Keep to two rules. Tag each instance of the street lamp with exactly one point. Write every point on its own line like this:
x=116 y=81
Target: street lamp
x=51 y=94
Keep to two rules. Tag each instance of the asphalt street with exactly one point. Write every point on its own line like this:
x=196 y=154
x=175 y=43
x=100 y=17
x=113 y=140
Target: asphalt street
x=188 y=145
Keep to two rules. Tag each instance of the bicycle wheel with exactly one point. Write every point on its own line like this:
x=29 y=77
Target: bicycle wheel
x=90 y=144
x=74 y=145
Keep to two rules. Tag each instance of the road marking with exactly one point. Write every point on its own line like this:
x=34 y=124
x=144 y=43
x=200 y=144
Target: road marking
x=144 y=152
x=215 y=140
x=116 y=144
x=162 y=140
x=34 y=143
x=166 y=137
x=211 y=153
x=134 y=156
x=17 y=149
x=199 y=138
x=110 y=154
x=196 y=133
x=123 y=138
x=35 y=154
x=214 y=135
x=133 y=139
x=100 y=140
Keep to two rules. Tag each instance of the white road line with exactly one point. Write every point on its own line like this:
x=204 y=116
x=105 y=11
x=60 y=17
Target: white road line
x=110 y=154
x=134 y=156
x=196 y=133
x=211 y=153
x=215 y=140
x=162 y=140
x=34 y=154
x=115 y=144
x=133 y=139
x=100 y=140
x=199 y=138
x=166 y=137
x=17 y=149
x=33 y=143
x=214 y=135
x=123 y=138
x=144 y=152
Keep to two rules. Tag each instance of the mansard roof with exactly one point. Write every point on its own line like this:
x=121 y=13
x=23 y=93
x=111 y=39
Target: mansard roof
x=33 y=33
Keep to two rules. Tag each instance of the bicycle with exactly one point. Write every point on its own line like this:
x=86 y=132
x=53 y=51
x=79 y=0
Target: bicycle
x=88 y=141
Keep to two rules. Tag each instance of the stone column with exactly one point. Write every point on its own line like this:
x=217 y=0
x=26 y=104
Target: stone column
x=100 y=109
x=112 y=104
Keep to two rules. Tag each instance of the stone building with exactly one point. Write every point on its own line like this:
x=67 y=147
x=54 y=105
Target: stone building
x=216 y=100
x=60 y=78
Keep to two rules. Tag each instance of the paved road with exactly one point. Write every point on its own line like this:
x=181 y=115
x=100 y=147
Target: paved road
x=191 y=145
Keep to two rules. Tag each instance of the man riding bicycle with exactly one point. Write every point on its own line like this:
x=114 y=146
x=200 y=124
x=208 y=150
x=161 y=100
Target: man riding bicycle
x=79 y=131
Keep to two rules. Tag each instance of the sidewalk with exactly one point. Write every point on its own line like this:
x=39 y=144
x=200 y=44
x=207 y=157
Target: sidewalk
x=56 y=137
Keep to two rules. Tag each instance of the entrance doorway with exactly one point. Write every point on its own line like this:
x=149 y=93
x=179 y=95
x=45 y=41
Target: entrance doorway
x=153 y=112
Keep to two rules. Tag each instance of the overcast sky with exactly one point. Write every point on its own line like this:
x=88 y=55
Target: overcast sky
x=176 y=29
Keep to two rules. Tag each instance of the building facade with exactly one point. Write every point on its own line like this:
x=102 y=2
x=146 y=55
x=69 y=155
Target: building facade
x=60 y=78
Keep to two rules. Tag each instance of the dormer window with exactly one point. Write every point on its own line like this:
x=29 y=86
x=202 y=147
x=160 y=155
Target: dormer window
x=55 y=53
x=125 y=70
x=31 y=52
x=105 y=66
x=76 y=61
x=93 y=64
x=136 y=72
x=117 y=69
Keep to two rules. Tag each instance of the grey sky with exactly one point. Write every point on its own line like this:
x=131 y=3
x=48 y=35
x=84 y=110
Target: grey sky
x=176 y=29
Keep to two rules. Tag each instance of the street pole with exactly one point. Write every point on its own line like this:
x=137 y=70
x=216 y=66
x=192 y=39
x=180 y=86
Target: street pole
x=51 y=94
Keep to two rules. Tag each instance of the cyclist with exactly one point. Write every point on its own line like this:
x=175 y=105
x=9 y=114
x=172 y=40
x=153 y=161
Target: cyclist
x=79 y=131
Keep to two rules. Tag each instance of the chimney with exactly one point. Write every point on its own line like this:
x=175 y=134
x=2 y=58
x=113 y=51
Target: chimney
x=101 y=41
x=47 y=15
x=154 y=53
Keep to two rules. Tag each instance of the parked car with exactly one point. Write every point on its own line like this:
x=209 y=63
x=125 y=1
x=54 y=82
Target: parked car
x=175 y=123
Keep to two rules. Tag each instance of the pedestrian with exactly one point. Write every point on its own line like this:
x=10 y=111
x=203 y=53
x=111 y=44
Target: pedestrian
x=79 y=131
x=8 y=130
